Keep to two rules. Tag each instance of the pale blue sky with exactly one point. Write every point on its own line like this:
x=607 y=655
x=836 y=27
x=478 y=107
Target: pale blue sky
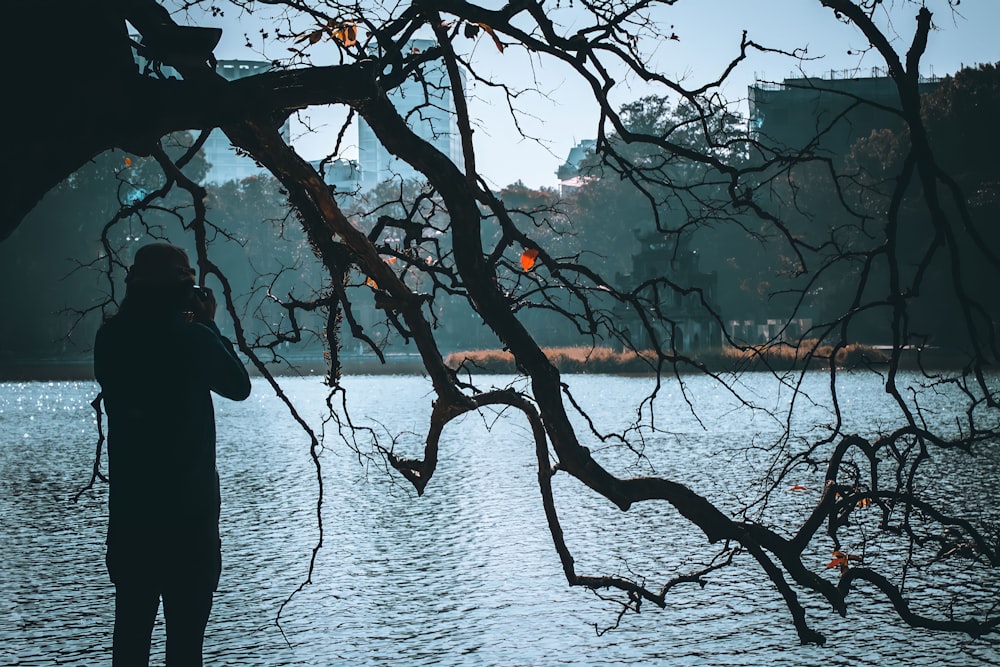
x=709 y=33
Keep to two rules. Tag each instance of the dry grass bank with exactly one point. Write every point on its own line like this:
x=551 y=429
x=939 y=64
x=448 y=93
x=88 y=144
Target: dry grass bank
x=783 y=356
x=605 y=360
x=566 y=359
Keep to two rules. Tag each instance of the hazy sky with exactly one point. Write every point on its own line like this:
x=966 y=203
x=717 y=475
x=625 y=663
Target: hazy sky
x=560 y=113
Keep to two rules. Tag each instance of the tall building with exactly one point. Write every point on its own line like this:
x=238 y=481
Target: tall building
x=225 y=164
x=833 y=112
x=429 y=110
x=342 y=174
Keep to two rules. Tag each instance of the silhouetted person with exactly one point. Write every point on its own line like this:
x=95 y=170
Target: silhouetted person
x=157 y=361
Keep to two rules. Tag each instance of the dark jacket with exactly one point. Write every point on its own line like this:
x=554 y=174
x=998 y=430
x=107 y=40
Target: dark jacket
x=156 y=383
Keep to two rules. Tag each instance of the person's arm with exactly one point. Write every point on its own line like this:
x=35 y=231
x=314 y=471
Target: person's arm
x=224 y=372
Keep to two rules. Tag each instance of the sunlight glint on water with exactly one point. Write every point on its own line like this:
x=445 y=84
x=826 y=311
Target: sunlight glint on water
x=465 y=575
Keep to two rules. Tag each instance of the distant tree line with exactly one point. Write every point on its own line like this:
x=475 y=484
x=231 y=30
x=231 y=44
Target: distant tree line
x=49 y=265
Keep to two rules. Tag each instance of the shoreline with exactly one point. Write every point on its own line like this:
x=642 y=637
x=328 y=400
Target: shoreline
x=83 y=370
x=486 y=362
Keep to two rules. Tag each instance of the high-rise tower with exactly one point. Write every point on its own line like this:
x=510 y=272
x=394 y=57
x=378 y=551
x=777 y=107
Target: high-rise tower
x=429 y=110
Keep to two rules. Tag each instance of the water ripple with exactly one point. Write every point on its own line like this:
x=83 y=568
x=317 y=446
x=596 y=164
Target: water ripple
x=465 y=575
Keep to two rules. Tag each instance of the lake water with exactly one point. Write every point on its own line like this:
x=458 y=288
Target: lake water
x=466 y=574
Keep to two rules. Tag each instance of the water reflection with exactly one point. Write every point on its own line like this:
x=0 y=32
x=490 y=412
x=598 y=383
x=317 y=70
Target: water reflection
x=465 y=575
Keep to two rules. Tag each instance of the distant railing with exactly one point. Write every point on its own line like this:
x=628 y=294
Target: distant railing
x=835 y=75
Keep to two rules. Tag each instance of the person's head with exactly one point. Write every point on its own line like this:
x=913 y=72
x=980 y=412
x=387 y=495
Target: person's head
x=159 y=282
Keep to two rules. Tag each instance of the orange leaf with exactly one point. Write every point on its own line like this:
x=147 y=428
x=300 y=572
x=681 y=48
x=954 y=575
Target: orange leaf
x=392 y=260
x=347 y=34
x=128 y=161
x=371 y=283
x=798 y=487
x=528 y=258
x=840 y=562
x=865 y=502
x=489 y=31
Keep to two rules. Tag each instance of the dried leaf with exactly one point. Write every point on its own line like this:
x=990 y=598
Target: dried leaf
x=371 y=283
x=312 y=37
x=128 y=161
x=843 y=561
x=347 y=33
x=496 y=40
x=798 y=487
x=528 y=258
x=839 y=561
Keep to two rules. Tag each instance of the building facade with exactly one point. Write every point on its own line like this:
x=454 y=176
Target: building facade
x=429 y=109
x=225 y=164
x=828 y=114
x=570 y=177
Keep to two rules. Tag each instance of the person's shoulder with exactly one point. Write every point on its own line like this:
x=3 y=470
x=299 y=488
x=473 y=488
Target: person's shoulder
x=110 y=328
x=203 y=332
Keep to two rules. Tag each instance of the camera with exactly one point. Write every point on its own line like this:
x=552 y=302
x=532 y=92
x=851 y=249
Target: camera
x=198 y=304
x=199 y=294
